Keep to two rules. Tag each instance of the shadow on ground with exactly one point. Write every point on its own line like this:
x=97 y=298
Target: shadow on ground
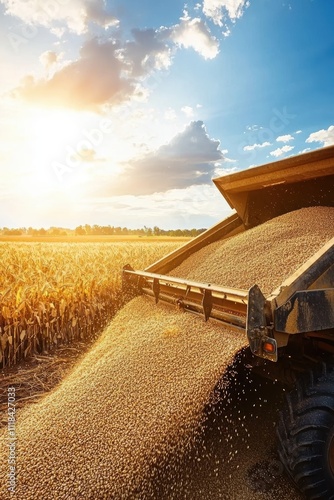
x=235 y=455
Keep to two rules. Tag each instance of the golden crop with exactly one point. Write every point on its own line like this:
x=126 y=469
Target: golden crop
x=56 y=293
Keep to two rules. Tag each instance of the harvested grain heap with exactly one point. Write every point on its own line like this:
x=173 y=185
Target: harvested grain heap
x=265 y=255
x=138 y=396
x=135 y=397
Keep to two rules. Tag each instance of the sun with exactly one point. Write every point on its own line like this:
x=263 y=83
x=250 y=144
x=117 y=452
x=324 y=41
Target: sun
x=47 y=135
x=50 y=131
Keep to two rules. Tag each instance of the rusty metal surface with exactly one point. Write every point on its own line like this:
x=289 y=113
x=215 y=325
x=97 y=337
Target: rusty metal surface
x=306 y=311
x=316 y=271
x=227 y=305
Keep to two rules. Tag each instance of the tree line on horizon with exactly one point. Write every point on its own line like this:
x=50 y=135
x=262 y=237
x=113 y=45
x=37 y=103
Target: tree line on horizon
x=97 y=230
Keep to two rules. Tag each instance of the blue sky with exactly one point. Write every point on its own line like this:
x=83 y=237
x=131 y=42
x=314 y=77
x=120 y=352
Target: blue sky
x=115 y=113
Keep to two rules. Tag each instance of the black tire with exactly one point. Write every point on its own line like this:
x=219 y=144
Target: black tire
x=306 y=434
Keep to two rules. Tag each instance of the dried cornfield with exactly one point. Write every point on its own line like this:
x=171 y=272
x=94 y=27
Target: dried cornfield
x=52 y=294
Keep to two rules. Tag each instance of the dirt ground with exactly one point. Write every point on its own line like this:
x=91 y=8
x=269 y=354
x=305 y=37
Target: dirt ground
x=38 y=375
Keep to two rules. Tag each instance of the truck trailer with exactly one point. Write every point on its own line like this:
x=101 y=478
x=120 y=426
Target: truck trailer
x=290 y=332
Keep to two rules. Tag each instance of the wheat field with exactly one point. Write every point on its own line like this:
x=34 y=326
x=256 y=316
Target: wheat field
x=56 y=293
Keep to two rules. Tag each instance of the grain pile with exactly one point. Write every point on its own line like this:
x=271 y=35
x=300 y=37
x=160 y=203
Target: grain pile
x=137 y=398
x=266 y=255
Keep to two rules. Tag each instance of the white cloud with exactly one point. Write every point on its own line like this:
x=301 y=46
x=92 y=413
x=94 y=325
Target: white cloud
x=95 y=78
x=195 y=206
x=49 y=58
x=306 y=150
x=256 y=146
x=298 y=132
x=76 y=14
x=105 y=73
x=58 y=32
x=217 y=9
x=279 y=151
x=190 y=158
x=194 y=33
x=148 y=51
x=285 y=138
x=253 y=128
x=188 y=111
x=111 y=72
x=170 y=114
x=229 y=160
x=324 y=136
x=221 y=171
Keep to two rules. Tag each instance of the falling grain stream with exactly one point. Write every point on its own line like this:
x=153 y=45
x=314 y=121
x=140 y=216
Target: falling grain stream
x=162 y=406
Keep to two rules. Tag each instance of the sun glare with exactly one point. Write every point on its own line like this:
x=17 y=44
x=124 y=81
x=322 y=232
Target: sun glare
x=48 y=134
x=51 y=130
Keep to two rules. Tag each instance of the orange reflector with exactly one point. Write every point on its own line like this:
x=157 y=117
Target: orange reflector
x=269 y=347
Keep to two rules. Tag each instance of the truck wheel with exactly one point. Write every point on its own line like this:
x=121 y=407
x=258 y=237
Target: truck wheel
x=306 y=434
